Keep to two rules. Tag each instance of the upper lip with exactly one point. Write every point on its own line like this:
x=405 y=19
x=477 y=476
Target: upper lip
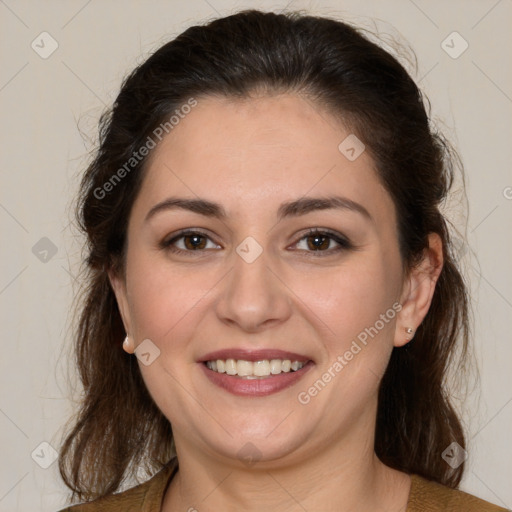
x=253 y=355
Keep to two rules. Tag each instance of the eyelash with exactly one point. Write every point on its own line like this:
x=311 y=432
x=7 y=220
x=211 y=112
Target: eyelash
x=343 y=243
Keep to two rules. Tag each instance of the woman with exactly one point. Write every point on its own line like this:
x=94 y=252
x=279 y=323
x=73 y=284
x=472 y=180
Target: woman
x=264 y=234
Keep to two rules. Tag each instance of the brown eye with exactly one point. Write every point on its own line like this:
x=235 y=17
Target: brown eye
x=188 y=241
x=325 y=242
x=317 y=242
x=194 y=242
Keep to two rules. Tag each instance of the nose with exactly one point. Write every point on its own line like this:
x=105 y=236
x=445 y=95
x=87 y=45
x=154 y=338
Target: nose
x=253 y=296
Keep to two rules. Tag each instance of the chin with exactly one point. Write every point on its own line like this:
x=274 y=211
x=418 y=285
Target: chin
x=253 y=448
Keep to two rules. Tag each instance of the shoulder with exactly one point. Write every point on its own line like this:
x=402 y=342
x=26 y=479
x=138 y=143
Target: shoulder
x=145 y=497
x=429 y=496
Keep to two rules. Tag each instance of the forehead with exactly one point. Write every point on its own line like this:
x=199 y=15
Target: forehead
x=258 y=151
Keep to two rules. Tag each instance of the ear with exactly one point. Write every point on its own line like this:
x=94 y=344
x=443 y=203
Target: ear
x=119 y=286
x=418 y=290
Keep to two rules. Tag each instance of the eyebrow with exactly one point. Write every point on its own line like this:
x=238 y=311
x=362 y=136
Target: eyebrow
x=296 y=208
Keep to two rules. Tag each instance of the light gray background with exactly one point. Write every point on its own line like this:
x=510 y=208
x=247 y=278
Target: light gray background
x=42 y=102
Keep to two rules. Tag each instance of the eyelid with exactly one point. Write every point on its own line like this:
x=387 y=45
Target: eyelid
x=167 y=243
x=344 y=244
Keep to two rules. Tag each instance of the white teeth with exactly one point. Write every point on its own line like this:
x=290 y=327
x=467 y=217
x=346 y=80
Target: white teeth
x=295 y=366
x=275 y=366
x=230 y=367
x=261 y=368
x=221 y=366
x=244 y=368
x=253 y=370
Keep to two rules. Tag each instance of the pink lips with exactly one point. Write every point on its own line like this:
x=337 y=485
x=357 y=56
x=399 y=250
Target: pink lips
x=254 y=387
x=253 y=355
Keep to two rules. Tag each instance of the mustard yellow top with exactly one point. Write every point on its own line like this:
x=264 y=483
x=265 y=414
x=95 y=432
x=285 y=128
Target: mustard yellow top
x=425 y=496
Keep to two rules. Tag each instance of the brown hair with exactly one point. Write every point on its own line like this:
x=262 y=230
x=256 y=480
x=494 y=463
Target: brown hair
x=118 y=426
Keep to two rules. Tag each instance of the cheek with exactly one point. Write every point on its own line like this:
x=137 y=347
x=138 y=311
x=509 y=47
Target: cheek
x=351 y=297
x=165 y=306
x=163 y=298
x=358 y=304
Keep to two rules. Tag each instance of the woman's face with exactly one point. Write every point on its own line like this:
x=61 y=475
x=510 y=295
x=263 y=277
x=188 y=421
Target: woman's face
x=259 y=280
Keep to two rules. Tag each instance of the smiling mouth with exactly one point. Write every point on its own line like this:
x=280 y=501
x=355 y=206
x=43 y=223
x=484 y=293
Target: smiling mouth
x=254 y=369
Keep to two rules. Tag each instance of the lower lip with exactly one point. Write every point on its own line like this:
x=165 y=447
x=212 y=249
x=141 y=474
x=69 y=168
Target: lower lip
x=256 y=387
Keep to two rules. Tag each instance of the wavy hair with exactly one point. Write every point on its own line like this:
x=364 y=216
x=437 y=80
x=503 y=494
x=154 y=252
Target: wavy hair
x=118 y=427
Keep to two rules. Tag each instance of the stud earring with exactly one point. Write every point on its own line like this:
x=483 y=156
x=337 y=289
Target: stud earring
x=410 y=333
x=126 y=343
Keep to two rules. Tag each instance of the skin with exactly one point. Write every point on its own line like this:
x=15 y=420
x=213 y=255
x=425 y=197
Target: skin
x=250 y=156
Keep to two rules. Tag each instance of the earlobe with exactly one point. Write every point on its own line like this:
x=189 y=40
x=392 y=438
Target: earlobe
x=418 y=291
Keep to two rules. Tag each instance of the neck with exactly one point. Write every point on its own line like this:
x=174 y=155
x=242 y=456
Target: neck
x=343 y=476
